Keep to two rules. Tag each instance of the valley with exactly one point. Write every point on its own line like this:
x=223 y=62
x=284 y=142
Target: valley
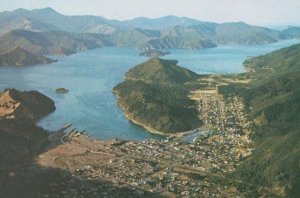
x=89 y=108
x=212 y=165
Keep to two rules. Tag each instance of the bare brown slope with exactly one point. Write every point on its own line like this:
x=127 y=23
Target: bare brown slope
x=30 y=105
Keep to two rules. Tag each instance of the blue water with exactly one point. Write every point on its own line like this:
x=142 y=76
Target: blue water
x=224 y=59
x=91 y=75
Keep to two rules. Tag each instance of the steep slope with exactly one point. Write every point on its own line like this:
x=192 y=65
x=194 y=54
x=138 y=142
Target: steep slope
x=281 y=61
x=21 y=57
x=29 y=105
x=51 y=42
x=19 y=136
x=155 y=96
x=157 y=70
x=274 y=100
x=18 y=139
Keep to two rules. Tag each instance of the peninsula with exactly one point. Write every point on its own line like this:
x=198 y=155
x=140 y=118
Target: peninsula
x=155 y=96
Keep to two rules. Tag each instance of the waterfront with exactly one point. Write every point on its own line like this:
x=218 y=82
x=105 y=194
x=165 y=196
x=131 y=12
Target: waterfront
x=90 y=76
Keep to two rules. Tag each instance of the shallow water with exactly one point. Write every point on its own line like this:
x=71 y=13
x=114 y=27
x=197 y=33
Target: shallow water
x=91 y=75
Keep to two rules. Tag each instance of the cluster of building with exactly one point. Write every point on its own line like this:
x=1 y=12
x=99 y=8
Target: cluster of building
x=195 y=169
x=173 y=165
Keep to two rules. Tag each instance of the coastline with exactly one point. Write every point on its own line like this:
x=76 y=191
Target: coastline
x=149 y=129
x=179 y=134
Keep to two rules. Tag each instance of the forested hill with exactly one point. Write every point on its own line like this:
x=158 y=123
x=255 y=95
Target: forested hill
x=274 y=101
x=155 y=95
x=281 y=61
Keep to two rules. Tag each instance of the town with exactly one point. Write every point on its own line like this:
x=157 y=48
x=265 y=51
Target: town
x=187 y=169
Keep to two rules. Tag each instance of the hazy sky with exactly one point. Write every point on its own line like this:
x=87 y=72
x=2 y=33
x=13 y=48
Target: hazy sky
x=259 y=12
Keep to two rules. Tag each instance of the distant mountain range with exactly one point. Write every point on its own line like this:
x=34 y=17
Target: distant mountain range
x=46 y=31
x=51 y=42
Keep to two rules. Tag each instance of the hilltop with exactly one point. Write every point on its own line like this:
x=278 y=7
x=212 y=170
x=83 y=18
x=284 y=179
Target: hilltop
x=157 y=70
x=155 y=96
x=31 y=105
x=18 y=133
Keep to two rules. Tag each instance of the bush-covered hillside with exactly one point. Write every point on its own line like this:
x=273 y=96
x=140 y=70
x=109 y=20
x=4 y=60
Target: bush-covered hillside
x=156 y=96
x=162 y=107
x=274 y=103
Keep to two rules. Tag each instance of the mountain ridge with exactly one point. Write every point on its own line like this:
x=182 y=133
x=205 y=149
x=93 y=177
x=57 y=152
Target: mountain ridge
x=49 y=18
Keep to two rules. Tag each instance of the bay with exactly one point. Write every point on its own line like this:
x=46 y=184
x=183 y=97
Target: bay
x=91 y=75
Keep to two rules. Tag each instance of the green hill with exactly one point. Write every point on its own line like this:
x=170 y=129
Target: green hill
x=161 y=107
x=281 y=61
x=157 y=70
x=155 y=95
x=274 y=99
x=21 y=57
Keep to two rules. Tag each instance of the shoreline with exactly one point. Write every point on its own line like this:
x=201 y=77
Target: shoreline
x=153 y=131
x=149 y=129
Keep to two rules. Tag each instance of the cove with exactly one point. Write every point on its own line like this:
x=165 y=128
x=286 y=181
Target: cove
x=90 y=76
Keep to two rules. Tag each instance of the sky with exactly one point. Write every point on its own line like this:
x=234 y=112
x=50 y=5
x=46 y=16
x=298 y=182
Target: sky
x=255 y=12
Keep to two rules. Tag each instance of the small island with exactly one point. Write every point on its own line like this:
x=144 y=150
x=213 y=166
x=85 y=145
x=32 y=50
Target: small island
x=153 y=53
x=61 y=90
x=155 y=96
